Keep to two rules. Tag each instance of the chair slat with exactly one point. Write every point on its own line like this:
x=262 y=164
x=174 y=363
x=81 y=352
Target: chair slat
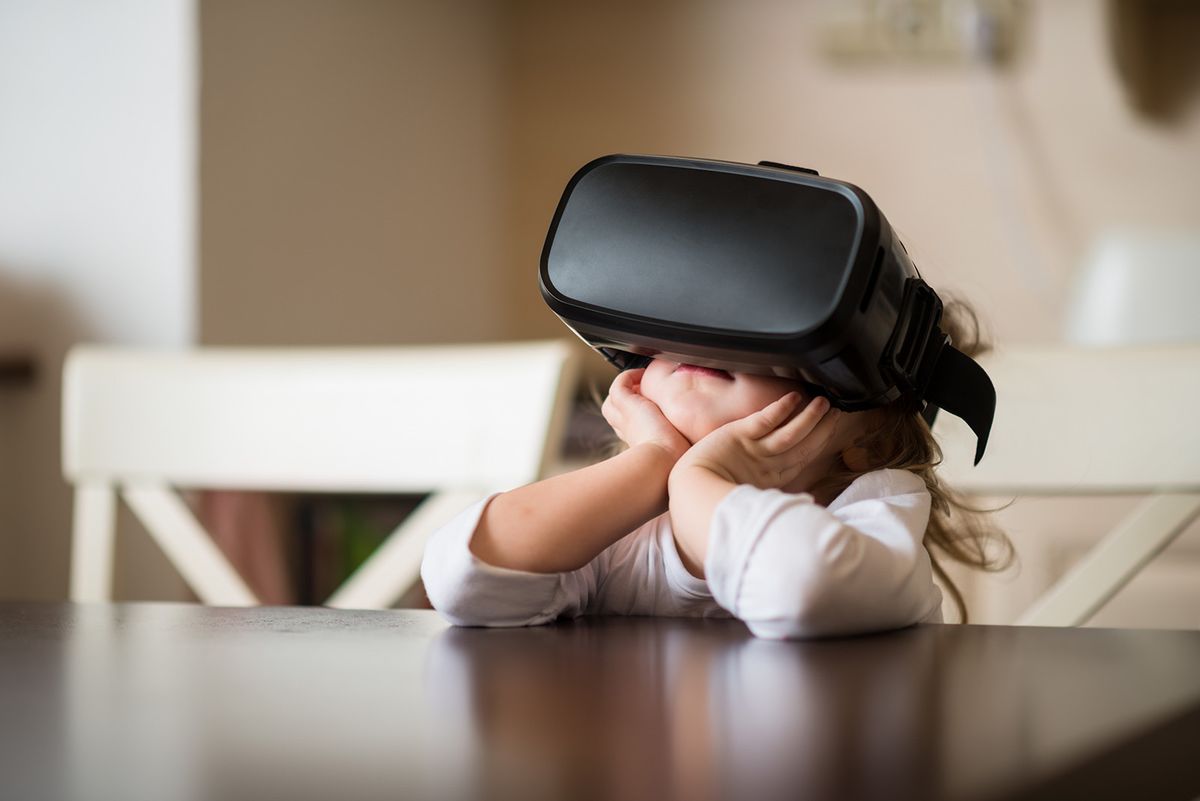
x=369 y=420
x=1073 y=420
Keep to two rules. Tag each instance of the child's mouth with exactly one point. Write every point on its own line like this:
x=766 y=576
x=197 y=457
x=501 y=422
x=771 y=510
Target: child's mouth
x=708 y=371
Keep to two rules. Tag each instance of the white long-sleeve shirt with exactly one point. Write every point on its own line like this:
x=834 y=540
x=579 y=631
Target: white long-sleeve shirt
x=782 y=563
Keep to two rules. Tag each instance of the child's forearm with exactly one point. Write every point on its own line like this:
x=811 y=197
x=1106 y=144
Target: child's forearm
x=694 y=494
x=563 y=522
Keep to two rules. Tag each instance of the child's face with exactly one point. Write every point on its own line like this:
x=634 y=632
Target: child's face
x=698 y=403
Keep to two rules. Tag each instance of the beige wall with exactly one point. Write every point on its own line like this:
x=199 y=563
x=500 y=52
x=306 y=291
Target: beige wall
x=351 y=182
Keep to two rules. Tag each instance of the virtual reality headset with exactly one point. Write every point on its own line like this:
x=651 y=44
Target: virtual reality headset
x=766 y=269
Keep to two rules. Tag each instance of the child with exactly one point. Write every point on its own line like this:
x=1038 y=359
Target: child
x=737 y=495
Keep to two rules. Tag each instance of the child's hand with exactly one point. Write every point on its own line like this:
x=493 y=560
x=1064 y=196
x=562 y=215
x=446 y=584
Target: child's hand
x=637 y=419
x=766 y=449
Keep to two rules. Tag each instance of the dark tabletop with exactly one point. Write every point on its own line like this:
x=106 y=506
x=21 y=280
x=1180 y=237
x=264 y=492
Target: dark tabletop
x=173 y=701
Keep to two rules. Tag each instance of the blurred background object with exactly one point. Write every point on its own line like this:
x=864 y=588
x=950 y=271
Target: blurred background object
x=1137 y=287
x=935 y=31
x=298 y=172
x=1154 y=48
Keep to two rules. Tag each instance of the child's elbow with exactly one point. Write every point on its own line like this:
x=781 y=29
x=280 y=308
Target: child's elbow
x=475 y=600
x=453 y=595
x=450 y=599
x=459 y=606
x=819 y=596
x=452 y=586
x=802 y=611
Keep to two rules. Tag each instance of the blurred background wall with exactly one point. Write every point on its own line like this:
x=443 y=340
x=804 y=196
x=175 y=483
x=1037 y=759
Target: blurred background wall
x=353 y=180
x=375 y=172
x=98 y=143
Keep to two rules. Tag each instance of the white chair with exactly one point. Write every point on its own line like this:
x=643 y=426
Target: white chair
x=1079 y=421
x=457 y=421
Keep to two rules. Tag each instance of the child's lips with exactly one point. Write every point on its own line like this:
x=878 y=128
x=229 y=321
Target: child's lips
x=708 y=371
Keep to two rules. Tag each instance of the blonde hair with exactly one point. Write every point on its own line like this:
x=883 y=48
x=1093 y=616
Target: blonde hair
x=899 y=438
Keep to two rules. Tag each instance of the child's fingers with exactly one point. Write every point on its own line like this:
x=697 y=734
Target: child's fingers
x=790 y=461
x=627 y=381
x=625 y=396
x=611 y=410
x=800 y=428
x=767 y=419
x=814 y=441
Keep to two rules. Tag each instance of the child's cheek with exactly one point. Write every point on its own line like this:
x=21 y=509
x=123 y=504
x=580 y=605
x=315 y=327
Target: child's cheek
x=686 y=416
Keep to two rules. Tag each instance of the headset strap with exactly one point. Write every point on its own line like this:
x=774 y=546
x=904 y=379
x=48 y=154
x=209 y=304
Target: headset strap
x=961 y=387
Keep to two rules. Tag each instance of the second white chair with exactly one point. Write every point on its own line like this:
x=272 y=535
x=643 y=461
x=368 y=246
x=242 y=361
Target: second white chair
x=1090 y=421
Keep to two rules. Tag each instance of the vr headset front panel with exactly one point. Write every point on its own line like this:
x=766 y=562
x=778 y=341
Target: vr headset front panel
x=704 y=249
x=746 y=268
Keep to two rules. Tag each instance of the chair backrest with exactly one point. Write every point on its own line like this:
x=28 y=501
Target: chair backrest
x=1079 y=420
x=1076 y=420
x=453 y=421
x=395 y=419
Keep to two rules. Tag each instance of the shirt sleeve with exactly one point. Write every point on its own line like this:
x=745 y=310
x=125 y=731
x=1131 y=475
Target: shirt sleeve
x=790 y=567
x=467 y=591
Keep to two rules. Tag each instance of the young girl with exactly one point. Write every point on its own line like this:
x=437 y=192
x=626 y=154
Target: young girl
x=737 y=495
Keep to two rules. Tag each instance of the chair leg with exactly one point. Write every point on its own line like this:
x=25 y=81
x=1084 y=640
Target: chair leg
x=396 y=564
x=1112 y=562
x=187 y=545
x=92 y=541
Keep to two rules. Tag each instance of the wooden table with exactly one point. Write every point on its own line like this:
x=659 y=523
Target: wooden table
x=173 y=701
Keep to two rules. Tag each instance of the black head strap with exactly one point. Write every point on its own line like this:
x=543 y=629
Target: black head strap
x=960 y=386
